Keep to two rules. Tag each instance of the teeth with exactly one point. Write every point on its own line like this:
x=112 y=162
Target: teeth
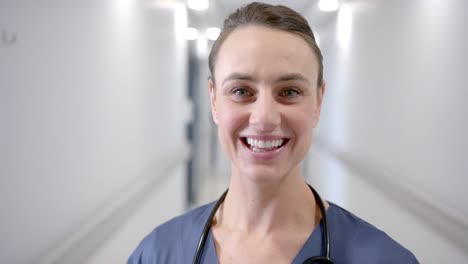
x=264 y=144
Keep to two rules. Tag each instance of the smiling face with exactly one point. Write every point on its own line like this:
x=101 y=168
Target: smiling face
x=265 y=101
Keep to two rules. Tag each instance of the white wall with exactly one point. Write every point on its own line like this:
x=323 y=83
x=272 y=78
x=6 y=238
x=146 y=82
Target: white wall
x=396 y=75
x=93 y=93
x=156 y=209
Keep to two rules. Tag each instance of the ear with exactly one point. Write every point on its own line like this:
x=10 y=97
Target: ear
x=212 y=89
x=318 y=109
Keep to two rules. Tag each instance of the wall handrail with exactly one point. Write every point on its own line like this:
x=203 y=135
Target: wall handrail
x=84 y=242
x=447 y=221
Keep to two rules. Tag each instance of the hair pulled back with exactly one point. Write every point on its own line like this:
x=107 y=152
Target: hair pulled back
x=271 y=16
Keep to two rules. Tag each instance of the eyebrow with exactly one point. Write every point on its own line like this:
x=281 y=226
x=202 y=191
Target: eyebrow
x=245 y=77
x=292 y=77
x=238 y=76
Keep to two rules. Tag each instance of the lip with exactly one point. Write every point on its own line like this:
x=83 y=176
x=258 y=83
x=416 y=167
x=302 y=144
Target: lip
x=264 y=137
x=267 y=155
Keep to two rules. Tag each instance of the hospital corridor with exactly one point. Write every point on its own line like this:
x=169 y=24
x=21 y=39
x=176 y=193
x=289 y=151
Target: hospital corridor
x=106 y=128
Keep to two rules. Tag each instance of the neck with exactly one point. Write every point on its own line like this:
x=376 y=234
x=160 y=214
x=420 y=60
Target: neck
x=261 y=208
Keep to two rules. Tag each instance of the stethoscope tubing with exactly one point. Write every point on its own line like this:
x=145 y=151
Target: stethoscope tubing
x=318 y=259
x=206 y=228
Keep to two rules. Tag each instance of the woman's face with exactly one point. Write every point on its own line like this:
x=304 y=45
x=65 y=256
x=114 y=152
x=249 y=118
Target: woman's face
x=265 y=102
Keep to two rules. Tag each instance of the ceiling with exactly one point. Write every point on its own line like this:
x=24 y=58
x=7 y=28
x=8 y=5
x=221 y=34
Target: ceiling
x=220 y=9
x=299 y=5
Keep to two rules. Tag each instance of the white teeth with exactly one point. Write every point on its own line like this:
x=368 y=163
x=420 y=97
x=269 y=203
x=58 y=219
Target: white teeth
x=264 y=144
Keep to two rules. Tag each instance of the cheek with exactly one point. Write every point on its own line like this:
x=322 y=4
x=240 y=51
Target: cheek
x=302 y=123
x=231 y=119
x=303 y=118
x=305 y=128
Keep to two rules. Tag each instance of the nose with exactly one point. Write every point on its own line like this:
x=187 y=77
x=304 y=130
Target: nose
x=265 y=113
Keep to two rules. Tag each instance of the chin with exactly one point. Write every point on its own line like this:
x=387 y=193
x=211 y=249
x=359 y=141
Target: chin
x=261 y=174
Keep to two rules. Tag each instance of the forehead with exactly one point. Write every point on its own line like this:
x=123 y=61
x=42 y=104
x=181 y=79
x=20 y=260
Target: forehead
x=265 y=53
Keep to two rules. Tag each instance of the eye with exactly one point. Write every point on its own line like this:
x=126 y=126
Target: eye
x=242 y=92
x=290 y=93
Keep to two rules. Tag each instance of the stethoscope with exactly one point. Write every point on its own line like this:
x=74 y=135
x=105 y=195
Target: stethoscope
x=318 y=259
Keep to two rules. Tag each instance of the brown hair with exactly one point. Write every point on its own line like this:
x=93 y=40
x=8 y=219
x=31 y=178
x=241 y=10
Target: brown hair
x=271 y=16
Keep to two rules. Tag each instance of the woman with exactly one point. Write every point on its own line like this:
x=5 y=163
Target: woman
x=266 y=92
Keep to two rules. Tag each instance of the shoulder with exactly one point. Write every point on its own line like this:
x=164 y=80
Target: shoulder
x=362 y=242
x=171 y=241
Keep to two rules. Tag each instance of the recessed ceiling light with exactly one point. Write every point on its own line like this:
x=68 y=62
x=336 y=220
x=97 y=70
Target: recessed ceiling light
x=328 y=5
x=199 y=5
x=212 y=33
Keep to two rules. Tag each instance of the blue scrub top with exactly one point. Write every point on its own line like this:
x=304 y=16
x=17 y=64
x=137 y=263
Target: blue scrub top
x=352 y=241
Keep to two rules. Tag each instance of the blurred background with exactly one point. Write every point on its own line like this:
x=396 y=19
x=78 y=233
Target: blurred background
x=106 y=132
